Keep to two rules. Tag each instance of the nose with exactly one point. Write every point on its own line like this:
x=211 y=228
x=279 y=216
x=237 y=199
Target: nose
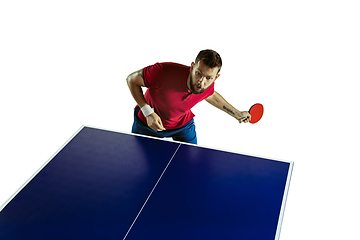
x=201 y=82
x=201 y=79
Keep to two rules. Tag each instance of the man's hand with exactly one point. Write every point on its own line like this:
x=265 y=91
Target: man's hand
x=241 y=115
x=154 y=122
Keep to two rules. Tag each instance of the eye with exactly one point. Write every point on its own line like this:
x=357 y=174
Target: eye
x=198 y=73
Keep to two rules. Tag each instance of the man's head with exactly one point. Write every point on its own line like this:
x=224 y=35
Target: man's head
x=211 y=59
x=204 y=71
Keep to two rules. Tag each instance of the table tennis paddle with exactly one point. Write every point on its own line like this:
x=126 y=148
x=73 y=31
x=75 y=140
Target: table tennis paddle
x=256 y=111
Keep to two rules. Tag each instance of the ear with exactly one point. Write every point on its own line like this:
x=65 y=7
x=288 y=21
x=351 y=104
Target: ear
x=192 y=66
x=217 y=77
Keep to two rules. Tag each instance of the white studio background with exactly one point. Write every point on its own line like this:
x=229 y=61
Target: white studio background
x=63 y=64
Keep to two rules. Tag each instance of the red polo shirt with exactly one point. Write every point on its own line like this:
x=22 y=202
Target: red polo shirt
x=168 y=94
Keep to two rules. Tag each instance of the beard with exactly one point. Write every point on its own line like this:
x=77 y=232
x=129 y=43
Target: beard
x=194 y=87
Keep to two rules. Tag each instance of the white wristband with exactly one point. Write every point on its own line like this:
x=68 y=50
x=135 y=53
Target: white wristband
x=147 y=110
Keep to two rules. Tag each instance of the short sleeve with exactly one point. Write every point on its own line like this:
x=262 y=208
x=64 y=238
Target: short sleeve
x=152 y=75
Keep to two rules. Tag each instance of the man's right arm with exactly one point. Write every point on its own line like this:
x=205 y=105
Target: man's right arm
x=135 y=83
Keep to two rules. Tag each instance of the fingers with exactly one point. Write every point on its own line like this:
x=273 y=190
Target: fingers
x=248 y=117
x=241 y=120
x=155 y=123
x=158 y=126
x=245 y=118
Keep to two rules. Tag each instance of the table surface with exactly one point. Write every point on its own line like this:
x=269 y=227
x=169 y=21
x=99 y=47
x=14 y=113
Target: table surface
x=109 y=185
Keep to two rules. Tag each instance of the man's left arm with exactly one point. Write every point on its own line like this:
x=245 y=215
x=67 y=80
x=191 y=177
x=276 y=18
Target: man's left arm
x=218 y=101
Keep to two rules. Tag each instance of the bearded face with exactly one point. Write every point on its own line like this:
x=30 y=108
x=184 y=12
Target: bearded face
x=201 y=77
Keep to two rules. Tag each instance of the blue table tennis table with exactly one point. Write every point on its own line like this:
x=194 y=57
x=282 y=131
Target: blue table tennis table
x=104 y=184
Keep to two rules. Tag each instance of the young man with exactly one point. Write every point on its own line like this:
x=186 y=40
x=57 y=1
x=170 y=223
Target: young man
x=173 y=89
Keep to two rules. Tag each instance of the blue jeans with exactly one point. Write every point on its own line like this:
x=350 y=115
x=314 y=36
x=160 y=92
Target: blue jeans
x=186 y=133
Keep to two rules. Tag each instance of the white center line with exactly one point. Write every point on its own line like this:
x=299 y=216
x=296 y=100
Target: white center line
x=151 y=192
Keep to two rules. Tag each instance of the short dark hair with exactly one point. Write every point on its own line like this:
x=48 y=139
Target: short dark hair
x=210 y=58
